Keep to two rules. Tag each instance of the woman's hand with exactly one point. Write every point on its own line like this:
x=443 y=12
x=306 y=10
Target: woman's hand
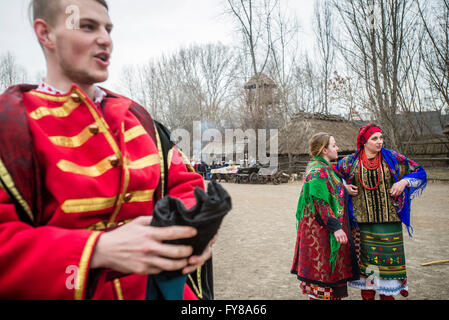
x=352 y=190
x=341 y=237
x=398 y=188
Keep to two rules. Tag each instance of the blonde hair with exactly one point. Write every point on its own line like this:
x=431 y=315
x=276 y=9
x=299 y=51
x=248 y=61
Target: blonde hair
x=318 y=142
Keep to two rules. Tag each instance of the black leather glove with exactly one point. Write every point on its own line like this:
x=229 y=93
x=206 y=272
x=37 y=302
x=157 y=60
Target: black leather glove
x=206 y=216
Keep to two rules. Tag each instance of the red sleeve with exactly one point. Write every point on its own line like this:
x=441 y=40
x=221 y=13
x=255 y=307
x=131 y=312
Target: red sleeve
x=182 y=182
x=44 y=262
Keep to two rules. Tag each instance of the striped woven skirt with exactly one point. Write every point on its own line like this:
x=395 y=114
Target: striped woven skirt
x=380 y=250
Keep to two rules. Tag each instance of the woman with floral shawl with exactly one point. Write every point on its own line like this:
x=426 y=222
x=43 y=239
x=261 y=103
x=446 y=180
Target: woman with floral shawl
x=386 y=182
x=325 y=258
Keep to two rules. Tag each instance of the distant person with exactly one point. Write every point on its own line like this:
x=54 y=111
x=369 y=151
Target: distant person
x=203 y=168
x=385 y=181
x=325 y=258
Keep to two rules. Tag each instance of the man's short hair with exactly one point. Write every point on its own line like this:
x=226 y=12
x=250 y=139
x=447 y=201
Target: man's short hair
x=48 y=9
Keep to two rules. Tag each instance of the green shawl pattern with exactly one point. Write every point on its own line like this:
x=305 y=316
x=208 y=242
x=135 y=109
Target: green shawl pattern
x=321 y=183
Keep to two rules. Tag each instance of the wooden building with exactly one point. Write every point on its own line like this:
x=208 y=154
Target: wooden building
x=293 y=140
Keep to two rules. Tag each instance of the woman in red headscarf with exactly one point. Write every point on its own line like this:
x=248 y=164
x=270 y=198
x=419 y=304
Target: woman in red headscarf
x=382 y=182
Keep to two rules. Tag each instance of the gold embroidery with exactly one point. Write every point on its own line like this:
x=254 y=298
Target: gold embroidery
x=198 y=289
x=9 y=184
x=135 y=132
x=93 y=204
x=84 y=262
x=101 y=225
x=88 y=204
x=103 y=126
x=126 y=178
x=186 y=161
x=93 y=171
x=142 y=196
x=118 y=289
x=50 y=97
x=374 y=205
x=75 y=141
x=144 y=162
x=161 y=159
x=64 y=111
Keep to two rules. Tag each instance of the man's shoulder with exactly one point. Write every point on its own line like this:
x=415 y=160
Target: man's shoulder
x=12 y=101
x=16 y=91
x=114 y=95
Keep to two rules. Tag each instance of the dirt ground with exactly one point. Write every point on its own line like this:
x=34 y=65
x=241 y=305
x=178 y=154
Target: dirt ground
x=255 y=247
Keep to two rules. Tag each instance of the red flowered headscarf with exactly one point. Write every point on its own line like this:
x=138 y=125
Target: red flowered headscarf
x=365 y=133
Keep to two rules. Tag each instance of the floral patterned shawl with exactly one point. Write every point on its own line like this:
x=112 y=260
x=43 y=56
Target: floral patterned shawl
x=322 y=183
x=414 y=173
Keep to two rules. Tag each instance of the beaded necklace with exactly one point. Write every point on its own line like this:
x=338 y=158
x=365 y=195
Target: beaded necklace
x=373 y=164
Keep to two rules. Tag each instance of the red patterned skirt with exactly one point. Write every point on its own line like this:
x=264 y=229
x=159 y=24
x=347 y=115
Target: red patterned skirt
x=311 y=261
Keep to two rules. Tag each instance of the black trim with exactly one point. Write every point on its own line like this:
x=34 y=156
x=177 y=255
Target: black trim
x=333 y=225
x=354 y=260
x=166 y=145
x=324 y=284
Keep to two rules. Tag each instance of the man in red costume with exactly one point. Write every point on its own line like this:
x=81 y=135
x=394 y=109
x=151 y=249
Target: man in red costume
x=80 y=171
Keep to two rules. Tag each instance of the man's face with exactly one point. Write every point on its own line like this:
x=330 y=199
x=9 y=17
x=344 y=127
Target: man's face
x=83 y=54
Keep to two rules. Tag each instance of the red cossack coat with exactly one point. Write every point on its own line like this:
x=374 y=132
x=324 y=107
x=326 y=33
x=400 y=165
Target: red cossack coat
x=96 y=168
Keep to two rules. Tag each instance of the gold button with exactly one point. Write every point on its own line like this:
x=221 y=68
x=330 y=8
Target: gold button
x=114 y=160
x=128 y=197
x=93 y=128
x=75 y=97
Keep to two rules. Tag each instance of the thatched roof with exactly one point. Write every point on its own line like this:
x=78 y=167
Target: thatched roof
x=305 y=125
x=264 y=81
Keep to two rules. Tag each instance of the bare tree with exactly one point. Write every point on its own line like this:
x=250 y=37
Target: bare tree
x=284 y=38
x=435 y=46
x=283 y=60
x=307 y=86
x=342 y=92
x=323 y=27
x=10 y=72
x=254 y=19
x=376 y=32
x=217 y=67
x=195 y=83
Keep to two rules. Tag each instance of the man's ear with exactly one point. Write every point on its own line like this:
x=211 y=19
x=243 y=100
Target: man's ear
x=43 y=31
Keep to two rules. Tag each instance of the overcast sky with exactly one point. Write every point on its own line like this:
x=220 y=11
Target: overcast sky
x=143 y=29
